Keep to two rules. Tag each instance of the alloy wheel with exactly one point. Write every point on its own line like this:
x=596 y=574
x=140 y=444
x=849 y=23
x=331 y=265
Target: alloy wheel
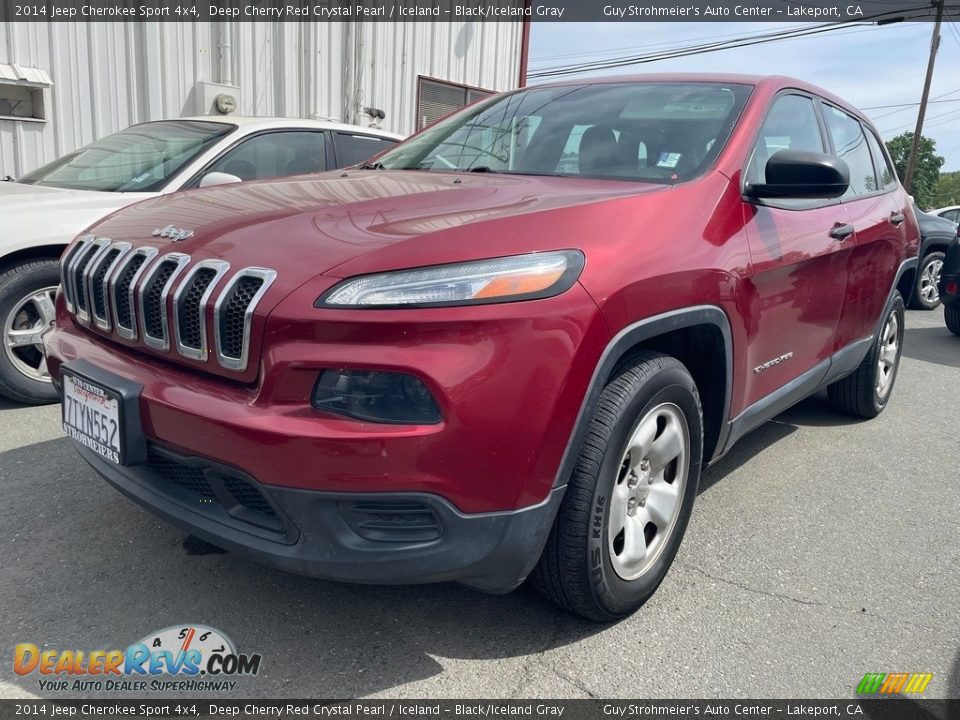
x=23 y=331
x=929 y=279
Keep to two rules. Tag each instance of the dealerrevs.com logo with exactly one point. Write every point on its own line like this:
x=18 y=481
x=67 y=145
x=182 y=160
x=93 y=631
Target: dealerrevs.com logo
x=179 y=658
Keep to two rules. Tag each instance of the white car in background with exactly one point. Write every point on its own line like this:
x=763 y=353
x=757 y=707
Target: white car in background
x=951 y=213
x=44 y=210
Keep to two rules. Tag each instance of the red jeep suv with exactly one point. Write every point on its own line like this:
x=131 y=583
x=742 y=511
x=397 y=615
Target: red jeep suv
x=507 y=347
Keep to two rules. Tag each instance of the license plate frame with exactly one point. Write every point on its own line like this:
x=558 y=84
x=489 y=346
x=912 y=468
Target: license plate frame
x=131 y=445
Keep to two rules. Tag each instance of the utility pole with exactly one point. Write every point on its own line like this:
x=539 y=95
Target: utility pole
x=934 y=46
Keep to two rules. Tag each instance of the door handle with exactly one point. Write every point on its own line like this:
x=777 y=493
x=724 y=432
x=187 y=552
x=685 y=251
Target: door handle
x=841 y=231
x=896 y=219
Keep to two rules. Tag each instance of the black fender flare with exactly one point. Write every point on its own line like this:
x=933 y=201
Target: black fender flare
x=617 y=349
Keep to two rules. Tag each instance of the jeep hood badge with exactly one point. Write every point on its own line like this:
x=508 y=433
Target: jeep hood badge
x=174 y=233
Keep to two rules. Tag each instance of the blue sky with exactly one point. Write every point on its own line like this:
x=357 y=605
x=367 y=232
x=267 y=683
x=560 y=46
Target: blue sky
x=866 y=65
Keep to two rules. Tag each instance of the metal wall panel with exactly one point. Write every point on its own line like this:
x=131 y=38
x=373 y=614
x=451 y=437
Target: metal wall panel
x=107 y=76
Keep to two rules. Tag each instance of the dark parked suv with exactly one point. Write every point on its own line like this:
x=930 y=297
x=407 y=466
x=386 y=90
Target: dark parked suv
x=504 y=349
x=950 y=287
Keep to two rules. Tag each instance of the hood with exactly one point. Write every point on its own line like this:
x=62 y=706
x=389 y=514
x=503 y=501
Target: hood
x=304 y=227
x=34 y=215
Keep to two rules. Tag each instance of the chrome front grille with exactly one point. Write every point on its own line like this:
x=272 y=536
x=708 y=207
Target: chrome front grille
x=113 y=285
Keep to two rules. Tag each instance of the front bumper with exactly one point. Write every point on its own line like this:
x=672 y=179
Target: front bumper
x=255 y=470
x=349 y=537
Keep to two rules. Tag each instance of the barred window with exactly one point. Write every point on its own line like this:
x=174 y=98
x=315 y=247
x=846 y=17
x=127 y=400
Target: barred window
x=436 y=99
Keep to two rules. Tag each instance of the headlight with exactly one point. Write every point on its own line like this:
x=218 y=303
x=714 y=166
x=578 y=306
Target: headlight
x=519 y=277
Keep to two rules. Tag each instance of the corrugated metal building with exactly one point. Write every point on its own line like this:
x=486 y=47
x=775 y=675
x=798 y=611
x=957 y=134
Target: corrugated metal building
x=63 y=85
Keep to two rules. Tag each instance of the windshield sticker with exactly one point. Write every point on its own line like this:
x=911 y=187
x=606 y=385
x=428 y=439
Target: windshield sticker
x=668 y=160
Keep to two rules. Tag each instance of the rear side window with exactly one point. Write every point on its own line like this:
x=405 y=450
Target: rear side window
x=888 y=176
x=275 y=154
x=951 y=215
x=850 y=144
x=791 y=124
x=353 y=149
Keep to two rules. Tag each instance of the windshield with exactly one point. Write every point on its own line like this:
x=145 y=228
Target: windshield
x=650 y=132
x=142 y=158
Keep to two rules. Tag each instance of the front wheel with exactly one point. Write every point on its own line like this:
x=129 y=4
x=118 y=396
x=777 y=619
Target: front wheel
x=926 y=295
x=26 y=309
x=867 y=390
x=628 y=503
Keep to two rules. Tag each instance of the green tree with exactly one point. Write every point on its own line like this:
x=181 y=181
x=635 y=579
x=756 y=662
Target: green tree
x=948 y=189
x=927 y=172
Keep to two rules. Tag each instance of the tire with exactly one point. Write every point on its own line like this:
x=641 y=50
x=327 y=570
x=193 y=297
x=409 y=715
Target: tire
x=867 y=390
x=925 y=294
x=23 y=288
x=588 y=565
x=952 y=317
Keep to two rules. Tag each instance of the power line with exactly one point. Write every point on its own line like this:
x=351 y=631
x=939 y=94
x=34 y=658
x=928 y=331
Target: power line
x=942 y=117
x=907 y=105
x=741 y=41
x=651 y=46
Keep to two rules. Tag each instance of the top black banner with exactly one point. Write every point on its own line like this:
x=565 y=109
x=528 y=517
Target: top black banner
x=801 y=11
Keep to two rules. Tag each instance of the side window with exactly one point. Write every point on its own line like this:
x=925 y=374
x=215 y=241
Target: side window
x=353 y=149
x=274 y=155
x=850 y=144
x=791 y=124
x=951 y=215
x=888 y=176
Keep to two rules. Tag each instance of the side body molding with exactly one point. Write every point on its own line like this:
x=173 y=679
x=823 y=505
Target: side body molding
x=842 y=363
x=620 y=345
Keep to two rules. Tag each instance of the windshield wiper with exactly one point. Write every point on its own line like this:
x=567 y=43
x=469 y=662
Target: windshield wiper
x=371 y=166
x=482 y=169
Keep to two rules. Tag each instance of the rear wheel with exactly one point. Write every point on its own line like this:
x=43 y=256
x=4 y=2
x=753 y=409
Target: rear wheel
x=952 y=316
x=26 y=309
x=865 y=392
x=926 y=295
x=629 y=501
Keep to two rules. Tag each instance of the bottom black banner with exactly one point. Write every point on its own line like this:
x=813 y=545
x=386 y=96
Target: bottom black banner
x=872 y=709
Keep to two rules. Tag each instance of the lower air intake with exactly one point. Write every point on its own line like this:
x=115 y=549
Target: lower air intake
x=401 y=522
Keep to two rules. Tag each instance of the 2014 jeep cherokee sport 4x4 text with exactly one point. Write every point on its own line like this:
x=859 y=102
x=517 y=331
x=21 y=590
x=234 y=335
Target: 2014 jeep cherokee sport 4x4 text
x=505 y=348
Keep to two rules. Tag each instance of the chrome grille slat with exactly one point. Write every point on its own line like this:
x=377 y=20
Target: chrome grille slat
x=123 y=286
x=153 y=294
x=233 y=315
x=190 y=307
x=98 y=288
x=66 y=267
x=81 y=276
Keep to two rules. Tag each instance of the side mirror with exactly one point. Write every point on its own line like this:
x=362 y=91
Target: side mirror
x=218 y=178
x=802 y=174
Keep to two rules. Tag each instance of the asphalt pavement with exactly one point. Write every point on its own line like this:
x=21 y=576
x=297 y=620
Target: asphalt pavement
x=820 y=549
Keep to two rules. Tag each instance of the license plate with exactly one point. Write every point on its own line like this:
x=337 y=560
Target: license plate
x=91 y=416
